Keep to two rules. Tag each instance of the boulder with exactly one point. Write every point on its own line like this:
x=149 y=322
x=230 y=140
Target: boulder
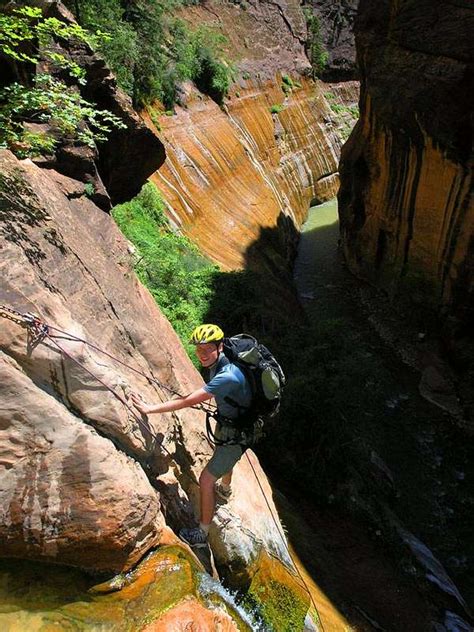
x=66 y=493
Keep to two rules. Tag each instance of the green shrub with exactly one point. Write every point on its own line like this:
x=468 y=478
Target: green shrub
x=151 y=52
x=315 y=50
x=178 y=276
x=89 y=189
x=287 y=84
x=276 y=108
x=27 y=36
x=59 y=109
x=337 y=108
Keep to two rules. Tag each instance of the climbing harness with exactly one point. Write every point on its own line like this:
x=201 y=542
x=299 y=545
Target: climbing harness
x=246 y=434
x=39 y=331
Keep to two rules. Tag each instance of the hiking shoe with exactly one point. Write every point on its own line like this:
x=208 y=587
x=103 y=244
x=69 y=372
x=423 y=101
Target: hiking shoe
x=195 y=537
x=222 y=493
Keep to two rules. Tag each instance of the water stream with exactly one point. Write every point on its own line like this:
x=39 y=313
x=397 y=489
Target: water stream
x=317 y=264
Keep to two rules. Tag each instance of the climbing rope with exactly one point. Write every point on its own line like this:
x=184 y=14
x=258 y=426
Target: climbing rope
x=39 y=331
x=303 y=585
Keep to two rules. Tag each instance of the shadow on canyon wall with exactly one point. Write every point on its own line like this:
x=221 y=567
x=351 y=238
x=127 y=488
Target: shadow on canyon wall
x=355 y=445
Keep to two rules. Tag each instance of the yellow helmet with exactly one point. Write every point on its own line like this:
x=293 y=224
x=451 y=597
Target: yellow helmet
x=207 y=333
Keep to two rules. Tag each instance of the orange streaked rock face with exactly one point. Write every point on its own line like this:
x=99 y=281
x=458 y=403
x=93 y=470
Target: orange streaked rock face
x=230 y=172
x=407 y=217
x=412 y=215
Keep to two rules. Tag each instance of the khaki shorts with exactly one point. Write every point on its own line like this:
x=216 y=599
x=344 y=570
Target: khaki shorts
x=225 y=456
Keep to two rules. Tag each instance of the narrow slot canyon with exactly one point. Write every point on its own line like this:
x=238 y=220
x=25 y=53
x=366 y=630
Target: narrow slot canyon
x=174 y=174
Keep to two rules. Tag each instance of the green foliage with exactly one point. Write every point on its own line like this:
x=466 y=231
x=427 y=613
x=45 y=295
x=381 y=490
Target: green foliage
x=89 y=189
x=345 y=115
x=50 y=102
x=278 y=606
x=337 y=108
x=315 y=50
x=151 y=52
x=354 y=110
x=26 y=28
x=287 y=84
x=277 y=108
x=27 y=37
x=198 y=57
x=172 y=268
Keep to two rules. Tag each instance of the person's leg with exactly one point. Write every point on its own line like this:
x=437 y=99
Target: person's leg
x=220 y=465
x=208 y=499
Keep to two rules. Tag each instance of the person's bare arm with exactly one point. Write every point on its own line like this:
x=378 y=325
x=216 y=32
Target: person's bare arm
x=197 y=397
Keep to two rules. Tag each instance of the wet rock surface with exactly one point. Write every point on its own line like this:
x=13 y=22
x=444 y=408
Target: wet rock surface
x=162 y=593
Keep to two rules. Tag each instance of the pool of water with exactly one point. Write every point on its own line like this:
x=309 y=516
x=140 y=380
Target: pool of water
x=316 y=264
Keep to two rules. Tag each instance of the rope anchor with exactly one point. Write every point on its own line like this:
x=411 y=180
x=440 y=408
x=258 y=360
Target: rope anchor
x=37 y=329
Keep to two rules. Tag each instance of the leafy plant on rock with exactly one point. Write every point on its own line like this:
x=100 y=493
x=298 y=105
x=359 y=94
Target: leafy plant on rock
x=35 y=118
x=178 y=276
x=151 y=51
x=316 y=52
x=276 y=108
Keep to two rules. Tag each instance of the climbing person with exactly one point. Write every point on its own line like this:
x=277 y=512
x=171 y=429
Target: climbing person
x=232 y=393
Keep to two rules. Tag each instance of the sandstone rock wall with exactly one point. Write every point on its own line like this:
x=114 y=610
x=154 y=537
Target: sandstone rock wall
x=263 y=36
x=236 y=171
x=257 y=162
x=405 y=202
x=336 y=20
x=81 y=477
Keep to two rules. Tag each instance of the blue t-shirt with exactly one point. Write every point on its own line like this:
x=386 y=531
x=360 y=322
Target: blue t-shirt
x=227 y=380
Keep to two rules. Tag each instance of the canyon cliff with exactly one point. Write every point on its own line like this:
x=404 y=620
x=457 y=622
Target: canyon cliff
x=258 y=161
x=86 y=482
x=405 y=201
